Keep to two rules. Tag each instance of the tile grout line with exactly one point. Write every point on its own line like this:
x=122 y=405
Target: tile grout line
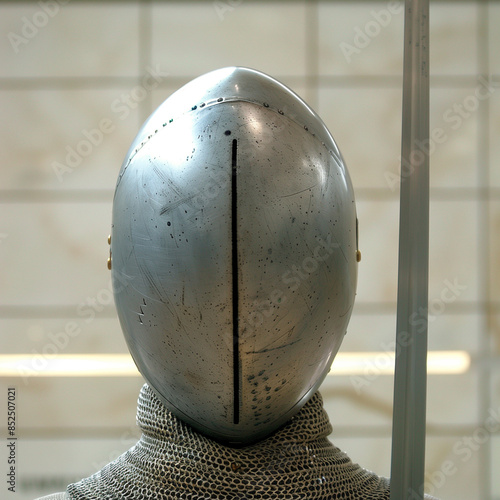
x=362 y=308
x=483 y=243
x=381 y=194
x=145 y=50
x=311 y=52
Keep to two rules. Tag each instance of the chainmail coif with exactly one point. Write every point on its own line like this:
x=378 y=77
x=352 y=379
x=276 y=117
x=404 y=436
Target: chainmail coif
x=172 y=461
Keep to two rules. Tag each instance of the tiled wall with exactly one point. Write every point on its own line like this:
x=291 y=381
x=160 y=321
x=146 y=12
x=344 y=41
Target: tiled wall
x=65 y=68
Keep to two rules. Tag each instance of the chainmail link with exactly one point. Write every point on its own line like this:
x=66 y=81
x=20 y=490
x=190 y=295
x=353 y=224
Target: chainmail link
x=172 y=461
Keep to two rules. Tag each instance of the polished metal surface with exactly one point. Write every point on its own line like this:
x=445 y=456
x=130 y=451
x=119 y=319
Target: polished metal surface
x=408 y=436
x=234 y=252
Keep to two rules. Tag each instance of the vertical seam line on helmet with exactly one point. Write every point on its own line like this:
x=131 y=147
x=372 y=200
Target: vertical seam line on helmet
x=235 y=298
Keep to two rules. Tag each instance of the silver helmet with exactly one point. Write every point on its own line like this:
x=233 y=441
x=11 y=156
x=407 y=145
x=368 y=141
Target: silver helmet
x=234 y=253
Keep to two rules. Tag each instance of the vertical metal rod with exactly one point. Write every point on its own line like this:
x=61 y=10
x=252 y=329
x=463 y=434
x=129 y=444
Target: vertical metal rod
x=408 y=435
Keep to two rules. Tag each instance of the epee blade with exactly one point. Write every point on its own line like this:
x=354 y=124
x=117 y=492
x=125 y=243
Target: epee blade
x=408 y=434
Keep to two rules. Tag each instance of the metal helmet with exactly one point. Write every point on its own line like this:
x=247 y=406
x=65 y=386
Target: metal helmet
x=234 y=253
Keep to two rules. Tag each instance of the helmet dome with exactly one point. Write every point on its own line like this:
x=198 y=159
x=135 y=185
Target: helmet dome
x=234 y=253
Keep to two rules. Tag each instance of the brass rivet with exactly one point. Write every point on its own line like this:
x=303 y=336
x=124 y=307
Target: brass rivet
x=358 y=256
x=109 y=258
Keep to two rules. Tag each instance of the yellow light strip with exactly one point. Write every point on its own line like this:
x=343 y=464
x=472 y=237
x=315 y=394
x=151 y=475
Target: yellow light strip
x=382 y=363
x=121 y=365
x=68 y=365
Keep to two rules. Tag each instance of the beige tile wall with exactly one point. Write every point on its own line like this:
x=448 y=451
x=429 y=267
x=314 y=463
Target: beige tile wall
x=82 y=68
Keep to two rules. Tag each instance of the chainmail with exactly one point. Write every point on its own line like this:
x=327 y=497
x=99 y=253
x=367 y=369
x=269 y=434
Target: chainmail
x=172 y=461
